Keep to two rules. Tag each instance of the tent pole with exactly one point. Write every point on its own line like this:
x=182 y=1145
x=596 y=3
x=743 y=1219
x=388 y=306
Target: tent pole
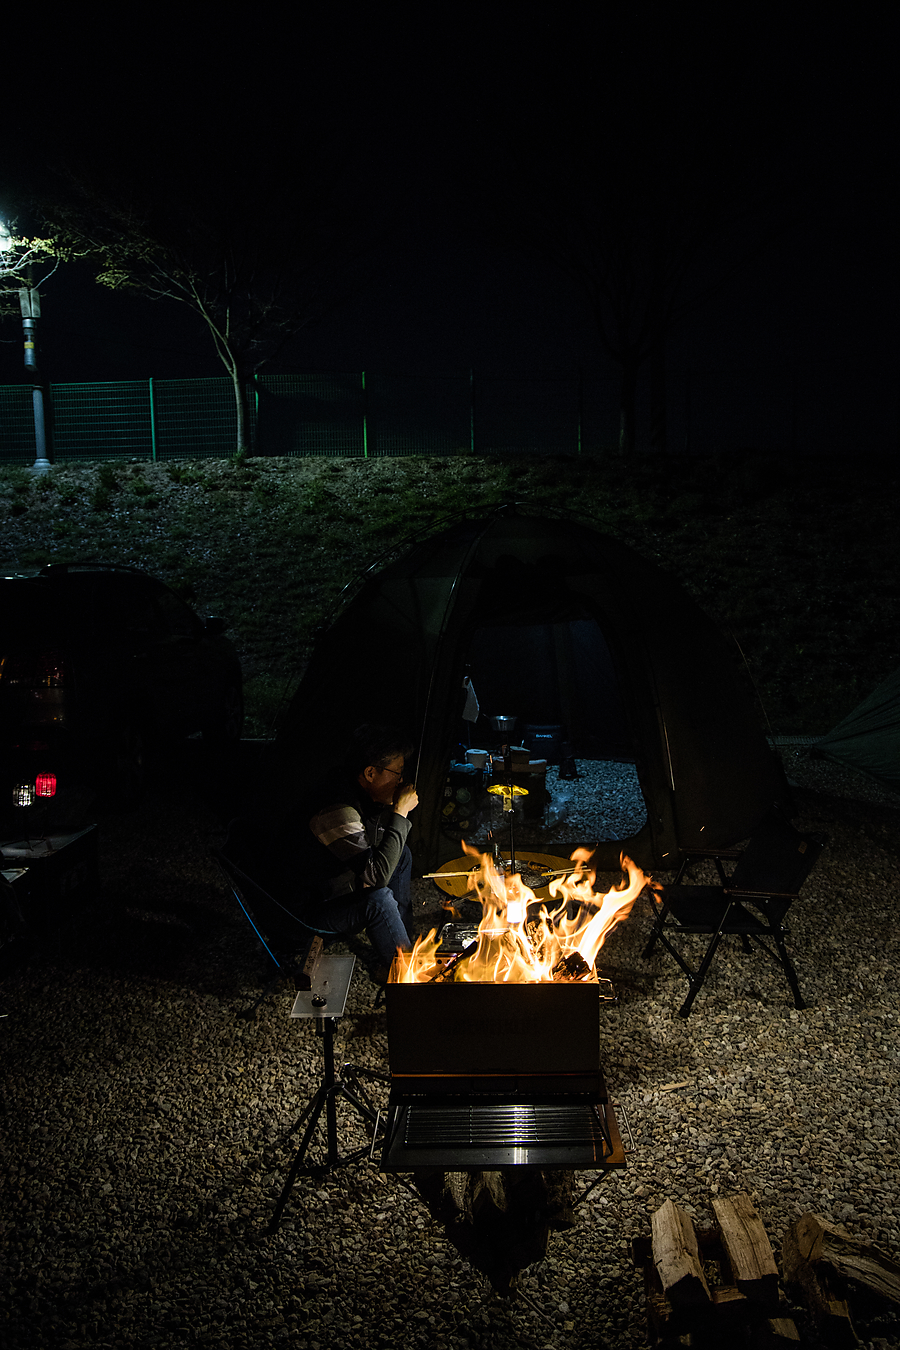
x=460 y=572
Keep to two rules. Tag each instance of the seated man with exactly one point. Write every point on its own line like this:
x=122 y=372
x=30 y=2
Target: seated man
x=354 y=846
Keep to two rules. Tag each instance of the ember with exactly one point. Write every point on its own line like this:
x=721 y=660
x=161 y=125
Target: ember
x=512 y=948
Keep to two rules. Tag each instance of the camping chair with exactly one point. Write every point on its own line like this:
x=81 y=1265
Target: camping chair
x=286 y=938
x=752 y=902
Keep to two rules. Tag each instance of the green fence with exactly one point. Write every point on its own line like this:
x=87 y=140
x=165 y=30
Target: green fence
x=123 y=419
x=354 y=414
x=309 y=415
x=16 y=424
x=374 y=414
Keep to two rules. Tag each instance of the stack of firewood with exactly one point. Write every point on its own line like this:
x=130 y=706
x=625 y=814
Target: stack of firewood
x=720 y=1286
x=712 y=1287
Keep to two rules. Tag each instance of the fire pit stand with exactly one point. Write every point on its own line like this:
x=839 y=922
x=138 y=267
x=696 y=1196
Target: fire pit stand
x=497 y=1099
x=325 y=1002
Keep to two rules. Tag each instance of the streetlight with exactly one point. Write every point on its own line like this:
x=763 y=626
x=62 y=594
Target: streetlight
x=30 y=305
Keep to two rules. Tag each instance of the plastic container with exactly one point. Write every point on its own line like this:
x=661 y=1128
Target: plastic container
x=545 y=742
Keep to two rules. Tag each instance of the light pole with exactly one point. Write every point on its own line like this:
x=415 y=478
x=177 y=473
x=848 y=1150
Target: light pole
x=30 y=305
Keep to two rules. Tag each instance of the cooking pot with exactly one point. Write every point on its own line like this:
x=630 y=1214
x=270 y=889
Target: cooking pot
x=503 y=724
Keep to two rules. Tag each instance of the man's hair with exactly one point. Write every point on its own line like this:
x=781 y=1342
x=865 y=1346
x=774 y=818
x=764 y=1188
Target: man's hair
x=377 y=745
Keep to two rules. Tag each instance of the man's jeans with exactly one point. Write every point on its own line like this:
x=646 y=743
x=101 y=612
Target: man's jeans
x=386 y=914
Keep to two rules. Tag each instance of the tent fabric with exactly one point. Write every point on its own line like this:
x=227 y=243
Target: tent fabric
x=869 y=739
x=400 y=649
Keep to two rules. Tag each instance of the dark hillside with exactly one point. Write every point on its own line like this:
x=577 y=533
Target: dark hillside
x=799 y=559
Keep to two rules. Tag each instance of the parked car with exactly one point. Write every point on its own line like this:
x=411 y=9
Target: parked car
x=99 y=663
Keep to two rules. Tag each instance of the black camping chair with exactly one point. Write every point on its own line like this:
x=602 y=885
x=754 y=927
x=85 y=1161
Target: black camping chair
x=752 y=902
x=286 y=938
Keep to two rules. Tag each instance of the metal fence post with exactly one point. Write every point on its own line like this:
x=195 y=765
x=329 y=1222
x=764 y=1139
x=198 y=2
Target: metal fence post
x=580 y=407
x=471 y=411
x=365 y=428
x=688 y=408
x=152 y=422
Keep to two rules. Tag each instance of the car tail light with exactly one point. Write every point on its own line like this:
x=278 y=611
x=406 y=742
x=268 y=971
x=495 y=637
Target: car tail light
x=35 y=670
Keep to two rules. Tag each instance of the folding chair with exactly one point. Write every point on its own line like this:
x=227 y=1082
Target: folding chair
x=286 y=938
x=751 y=902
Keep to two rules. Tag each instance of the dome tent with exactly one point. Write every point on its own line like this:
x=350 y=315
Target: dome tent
x=400 y=648
x=868 y=739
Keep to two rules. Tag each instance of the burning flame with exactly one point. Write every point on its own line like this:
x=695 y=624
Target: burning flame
x=513 y=949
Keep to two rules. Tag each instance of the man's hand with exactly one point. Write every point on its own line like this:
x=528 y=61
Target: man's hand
x=405 y=799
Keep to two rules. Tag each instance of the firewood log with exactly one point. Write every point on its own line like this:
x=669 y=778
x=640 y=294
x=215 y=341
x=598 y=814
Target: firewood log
x=729 y=1303
x=780 y=1333
x=748 y=1249
x=820 y=1288
x=677 y=1258
x=857 y=1261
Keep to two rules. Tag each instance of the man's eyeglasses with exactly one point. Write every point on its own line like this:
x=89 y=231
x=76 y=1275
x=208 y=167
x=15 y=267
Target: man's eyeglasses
x=394 y=772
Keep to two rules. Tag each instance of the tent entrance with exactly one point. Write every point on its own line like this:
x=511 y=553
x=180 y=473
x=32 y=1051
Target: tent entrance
x=552 y=674
x=558 y=674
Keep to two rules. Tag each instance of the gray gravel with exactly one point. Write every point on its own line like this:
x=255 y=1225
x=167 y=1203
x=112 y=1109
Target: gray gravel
x=603 y=802
x=144 y=1122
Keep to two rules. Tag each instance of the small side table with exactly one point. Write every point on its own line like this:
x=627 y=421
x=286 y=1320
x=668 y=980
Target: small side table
x=325 y=1002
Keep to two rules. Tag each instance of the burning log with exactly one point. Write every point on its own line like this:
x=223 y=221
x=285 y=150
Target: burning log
x=828 y=1268
x=512 y=948
x=571 y=967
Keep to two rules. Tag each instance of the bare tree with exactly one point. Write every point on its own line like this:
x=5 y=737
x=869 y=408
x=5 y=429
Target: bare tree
x=255 y=246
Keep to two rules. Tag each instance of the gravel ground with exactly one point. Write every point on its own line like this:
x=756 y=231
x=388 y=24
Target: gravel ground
x=144 y=1122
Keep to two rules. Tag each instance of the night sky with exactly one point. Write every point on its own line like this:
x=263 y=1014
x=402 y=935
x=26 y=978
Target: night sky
x=419 y=124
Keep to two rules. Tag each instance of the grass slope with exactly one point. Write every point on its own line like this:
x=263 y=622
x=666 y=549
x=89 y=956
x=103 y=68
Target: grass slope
x=799 y=559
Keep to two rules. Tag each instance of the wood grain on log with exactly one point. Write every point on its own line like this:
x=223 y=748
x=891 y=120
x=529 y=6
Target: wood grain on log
x=782 y=1333
x=823 y=1292
x=677 y=1258
x=848 y=1257
x=748 y=1249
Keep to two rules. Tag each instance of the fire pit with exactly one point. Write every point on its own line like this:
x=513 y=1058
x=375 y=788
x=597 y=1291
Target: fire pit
x=494 y=1034
x=487 y=1076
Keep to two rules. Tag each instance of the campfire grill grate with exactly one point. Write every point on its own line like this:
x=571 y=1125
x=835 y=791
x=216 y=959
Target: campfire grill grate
x=503 y=1126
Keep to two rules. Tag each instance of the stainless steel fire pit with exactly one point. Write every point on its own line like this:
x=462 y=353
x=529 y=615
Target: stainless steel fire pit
x=493 y=1075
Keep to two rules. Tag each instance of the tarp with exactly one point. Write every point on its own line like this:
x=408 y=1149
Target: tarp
x=869 y=739
x=661 y=686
